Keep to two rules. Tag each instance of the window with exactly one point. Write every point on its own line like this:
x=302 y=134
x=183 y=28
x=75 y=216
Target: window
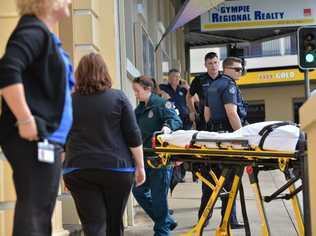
x=297 y=103
x=148 y=55
x=129 y=28
x=256 y=112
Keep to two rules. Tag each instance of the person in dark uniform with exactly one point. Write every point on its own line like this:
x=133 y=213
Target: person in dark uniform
x=153 y=114
x=200 y=86
x=177 y=94
x=226 y=111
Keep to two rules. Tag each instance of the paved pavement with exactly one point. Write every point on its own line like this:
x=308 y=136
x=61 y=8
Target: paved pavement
x=186 y=198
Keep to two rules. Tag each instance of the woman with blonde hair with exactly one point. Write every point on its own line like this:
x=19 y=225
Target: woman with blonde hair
x=35 y=82
x=104 y=153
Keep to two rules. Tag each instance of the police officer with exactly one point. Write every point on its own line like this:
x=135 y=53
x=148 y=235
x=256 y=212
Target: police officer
x=153 y=114
x=200 y=86
x=177 y=94
x=226 y=111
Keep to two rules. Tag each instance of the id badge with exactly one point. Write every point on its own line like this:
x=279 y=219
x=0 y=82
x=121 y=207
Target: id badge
x=45 y=152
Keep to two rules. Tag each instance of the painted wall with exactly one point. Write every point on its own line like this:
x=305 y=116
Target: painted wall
x=278 y=100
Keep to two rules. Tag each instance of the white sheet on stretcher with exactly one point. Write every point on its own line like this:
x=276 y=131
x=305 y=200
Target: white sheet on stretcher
x=283 y=138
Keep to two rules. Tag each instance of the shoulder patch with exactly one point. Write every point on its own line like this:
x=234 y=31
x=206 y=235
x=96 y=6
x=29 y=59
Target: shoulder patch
x=232 y=90
x=168 y=105
x=150 y=114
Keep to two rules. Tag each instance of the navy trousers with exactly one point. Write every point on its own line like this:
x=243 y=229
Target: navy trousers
x=152 y=197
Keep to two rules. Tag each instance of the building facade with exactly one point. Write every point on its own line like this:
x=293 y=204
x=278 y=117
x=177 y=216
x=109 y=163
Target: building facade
x=273 y=85
x=125 y=33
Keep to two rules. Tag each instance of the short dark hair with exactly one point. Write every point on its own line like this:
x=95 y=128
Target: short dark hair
x=92 y=75
x=210 y=56
x=173 y=71
x=229 y=61
x=144 y=81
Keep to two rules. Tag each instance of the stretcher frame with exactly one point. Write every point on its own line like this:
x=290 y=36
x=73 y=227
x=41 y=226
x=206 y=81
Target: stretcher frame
x=238 y=158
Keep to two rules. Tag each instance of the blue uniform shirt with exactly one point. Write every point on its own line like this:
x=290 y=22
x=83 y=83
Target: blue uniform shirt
x=224 y=91
x=61 y=133
x=178 y=98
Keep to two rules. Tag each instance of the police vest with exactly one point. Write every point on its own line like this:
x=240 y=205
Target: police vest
x=216 y=103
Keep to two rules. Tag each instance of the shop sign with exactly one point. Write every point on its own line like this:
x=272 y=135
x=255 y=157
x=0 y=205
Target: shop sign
x=274 y=76
x=246 y=14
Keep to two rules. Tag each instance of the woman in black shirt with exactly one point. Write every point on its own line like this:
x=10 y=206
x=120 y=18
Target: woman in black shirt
x=35 y=82
x=104 y=150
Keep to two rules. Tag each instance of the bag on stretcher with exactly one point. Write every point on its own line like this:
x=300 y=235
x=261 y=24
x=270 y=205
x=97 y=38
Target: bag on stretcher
x=269 y=135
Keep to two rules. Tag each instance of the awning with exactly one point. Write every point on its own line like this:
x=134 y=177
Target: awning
x=189 y=11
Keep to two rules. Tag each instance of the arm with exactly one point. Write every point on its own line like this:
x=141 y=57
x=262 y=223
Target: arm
x=170 y=118
x=15 y=98
x=231 y=112
x=133 y=138
x=22 y=49
x=207 y=114
x=129 y=126
x=190 y=102
x=164 y=95
x=191 y=98
x=138 y=156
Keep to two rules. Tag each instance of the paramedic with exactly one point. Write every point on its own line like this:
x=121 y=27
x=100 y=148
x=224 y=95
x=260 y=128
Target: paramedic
x=153 y=114
x=226 y=111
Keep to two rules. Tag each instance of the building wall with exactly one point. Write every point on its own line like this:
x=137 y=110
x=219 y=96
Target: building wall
x=8 y=19
x=113 y=29
x=153 y=17
x=278 y=100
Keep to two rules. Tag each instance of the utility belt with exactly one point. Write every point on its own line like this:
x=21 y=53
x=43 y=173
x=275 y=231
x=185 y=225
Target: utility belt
x=219 y=125
x=222 y=125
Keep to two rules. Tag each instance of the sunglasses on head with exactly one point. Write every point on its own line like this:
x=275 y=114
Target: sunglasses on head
x=237 y=69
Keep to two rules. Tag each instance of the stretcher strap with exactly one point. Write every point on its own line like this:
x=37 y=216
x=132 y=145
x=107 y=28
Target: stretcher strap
x=243 y=142
x=268 y=129
x=194 y=139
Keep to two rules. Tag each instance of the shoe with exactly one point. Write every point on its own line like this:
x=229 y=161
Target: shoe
x=173 y=226
x=171 y=211
x=237 y=225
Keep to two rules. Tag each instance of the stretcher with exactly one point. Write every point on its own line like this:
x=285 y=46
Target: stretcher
x=261 y=146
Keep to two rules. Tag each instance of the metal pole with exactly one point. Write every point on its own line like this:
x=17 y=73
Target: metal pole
x=306 y=85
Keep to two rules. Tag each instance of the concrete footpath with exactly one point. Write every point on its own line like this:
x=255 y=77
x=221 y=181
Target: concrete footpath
x=185 y=202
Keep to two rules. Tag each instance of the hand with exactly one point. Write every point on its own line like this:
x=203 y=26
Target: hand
x=140 y=176
x=178 y=163
x=165 y=95
x=62 y=157
x=192 y=116
x=166 y=130
x=185 y=84
x=28 y=129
